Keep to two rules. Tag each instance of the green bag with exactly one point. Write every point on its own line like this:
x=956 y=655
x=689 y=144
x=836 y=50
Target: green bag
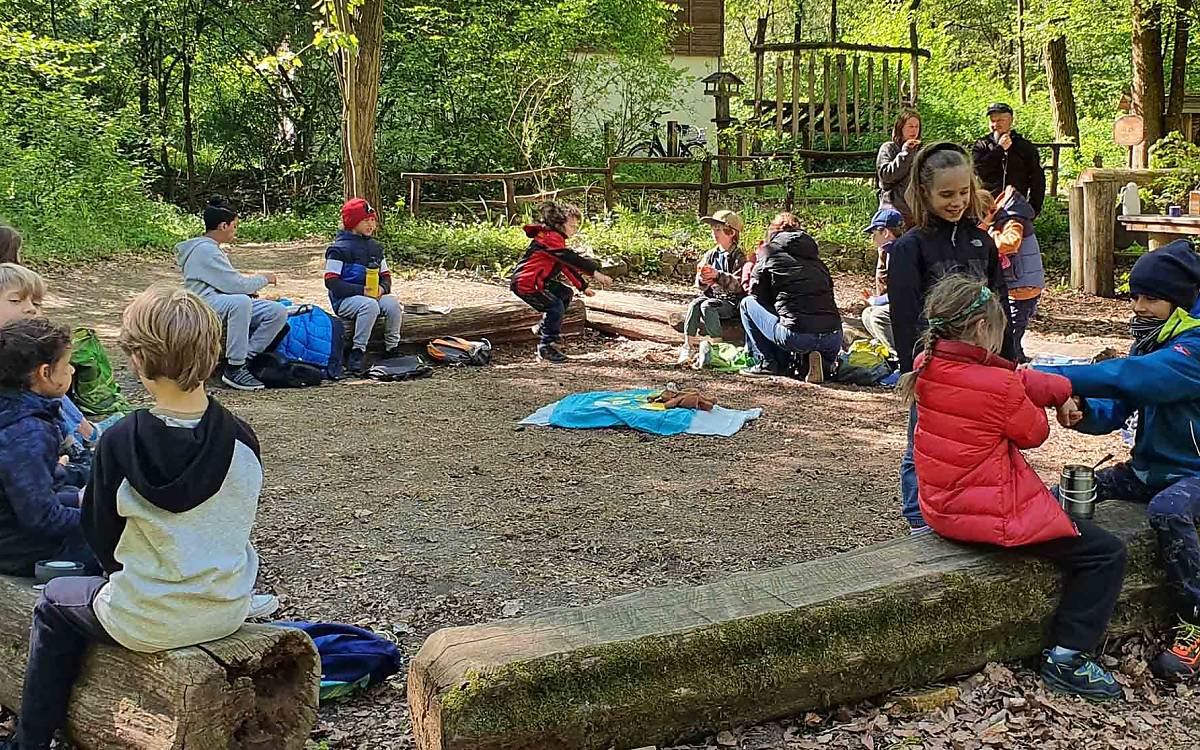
x=728 y=358
x=94 y=389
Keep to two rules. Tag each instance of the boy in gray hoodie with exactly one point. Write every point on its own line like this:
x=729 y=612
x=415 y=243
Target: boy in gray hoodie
x=251 y=324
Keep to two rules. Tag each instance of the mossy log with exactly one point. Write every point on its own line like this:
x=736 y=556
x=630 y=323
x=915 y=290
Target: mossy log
x=502 y=321
x=665 y=665
x=255 y=690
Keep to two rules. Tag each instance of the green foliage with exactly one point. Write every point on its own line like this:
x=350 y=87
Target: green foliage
x=1173 y=152
x=289 y=225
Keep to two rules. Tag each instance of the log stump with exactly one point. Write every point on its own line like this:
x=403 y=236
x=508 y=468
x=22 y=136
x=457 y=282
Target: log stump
x=255 y=690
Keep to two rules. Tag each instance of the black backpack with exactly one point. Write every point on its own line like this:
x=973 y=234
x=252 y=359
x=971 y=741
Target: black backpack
x=277 y=371
x=400 y=368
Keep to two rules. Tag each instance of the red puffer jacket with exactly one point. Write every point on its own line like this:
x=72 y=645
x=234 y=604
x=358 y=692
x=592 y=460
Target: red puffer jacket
x=974 y=415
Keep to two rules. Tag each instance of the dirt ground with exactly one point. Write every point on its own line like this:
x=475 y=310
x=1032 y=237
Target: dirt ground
x=415 y=506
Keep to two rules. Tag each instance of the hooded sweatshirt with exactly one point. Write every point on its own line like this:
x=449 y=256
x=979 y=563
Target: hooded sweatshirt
x=208 y=272
x=168 y=514
x=1021 y=255
x=548 y=258
x=37 y=511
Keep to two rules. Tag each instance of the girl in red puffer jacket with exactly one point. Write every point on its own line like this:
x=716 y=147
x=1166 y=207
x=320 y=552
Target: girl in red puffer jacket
x=975 y=413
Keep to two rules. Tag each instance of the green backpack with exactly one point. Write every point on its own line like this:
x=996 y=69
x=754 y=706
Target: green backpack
x=94 y=389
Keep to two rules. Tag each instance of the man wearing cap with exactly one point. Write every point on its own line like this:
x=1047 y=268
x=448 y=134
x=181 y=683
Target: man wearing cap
x=1005 y=157
x=719 y=278
x=884 y=229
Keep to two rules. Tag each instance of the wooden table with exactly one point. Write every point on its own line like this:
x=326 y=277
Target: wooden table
x=1162 y=229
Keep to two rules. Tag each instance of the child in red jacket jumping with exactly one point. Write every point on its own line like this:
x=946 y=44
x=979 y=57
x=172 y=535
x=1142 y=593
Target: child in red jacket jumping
x=976 y=413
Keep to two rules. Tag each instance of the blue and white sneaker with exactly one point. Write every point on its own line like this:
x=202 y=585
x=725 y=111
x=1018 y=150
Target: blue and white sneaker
x=1079 y=674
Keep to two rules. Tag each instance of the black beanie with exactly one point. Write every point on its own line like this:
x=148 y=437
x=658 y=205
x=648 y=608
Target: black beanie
x=1171 y=272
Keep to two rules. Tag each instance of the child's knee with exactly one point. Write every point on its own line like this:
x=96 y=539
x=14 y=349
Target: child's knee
x=1171 y=502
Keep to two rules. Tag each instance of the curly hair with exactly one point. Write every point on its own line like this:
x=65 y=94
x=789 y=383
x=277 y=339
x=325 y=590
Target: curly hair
x=556 y=215
x=25 y=345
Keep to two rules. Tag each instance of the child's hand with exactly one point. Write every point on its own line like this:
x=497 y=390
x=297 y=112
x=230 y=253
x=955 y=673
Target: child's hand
x=1070 y=413
x=589 y=292
x=602 y=279
x=87 y=429
x=271 y=278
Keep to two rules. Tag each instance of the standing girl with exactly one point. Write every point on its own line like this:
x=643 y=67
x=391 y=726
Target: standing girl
x=945 y=239
x=893 y=165
x=976 y=415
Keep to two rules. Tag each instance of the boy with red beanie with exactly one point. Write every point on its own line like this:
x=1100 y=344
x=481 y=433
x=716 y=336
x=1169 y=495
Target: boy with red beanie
x=360 y=284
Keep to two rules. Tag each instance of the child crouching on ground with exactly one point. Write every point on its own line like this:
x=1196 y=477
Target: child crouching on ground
x=536 y=277
x=1010 y=225
x=1160 y=383
x=718 y=277
x=975 y=415
x=39 y=511
x=168 y=513
x=884 y=229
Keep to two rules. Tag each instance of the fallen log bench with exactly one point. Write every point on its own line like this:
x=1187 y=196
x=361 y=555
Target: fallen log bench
x=667 y=665
x=255 y=690
x=500 y=321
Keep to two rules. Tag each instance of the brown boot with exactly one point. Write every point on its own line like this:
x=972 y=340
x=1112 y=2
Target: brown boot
x=816 y=368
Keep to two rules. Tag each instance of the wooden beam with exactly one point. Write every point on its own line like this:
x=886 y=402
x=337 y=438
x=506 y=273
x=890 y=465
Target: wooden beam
x=914 y=63
x=795 y=99
x=843 y=110
x=779 y=95
x=639 y=669
x=812 y=95
x=826 y=106
x=1075 y=221
x=857 y=111
x=838 y=47
x=255 y=689
x=870 y=95
x=1022 y=78
x=885 y=75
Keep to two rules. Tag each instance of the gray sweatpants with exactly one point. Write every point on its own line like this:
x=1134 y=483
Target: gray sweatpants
x=877 y=319
x=711 y=311
x=250 y=324
x=364 y=311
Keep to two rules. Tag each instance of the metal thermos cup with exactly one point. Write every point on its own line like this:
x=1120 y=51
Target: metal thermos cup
x=1077 y=491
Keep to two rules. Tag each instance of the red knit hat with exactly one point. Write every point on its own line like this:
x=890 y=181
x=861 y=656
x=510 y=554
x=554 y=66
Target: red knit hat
x=355 y=211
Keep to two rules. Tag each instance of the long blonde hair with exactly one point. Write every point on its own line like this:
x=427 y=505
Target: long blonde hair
x=930 y=160
x=955 y=308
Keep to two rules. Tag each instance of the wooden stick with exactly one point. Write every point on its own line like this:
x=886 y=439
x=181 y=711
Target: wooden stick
x=812 y=95
x=826 y=107
x=870 y=95
x=795 y=97
x=857 y=110
x=843 y=110
x=885 y=68
x=779 y=96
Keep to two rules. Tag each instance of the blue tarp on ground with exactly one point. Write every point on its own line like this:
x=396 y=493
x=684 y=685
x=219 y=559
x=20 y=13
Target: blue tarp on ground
x=597 y=409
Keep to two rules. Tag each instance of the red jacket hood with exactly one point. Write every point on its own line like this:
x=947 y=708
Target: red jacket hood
x=551 y=239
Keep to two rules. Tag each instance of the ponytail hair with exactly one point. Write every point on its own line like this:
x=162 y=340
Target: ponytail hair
x=954 y=308
x=930 y=160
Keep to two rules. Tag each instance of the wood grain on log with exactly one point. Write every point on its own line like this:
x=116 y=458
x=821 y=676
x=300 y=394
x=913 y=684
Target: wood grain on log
x=255 y=690
x=503 y=321
x=658 y=666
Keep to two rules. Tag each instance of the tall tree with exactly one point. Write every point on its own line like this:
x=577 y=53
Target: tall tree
x=1179 y=56
x=1062 y=93
x=1148 y=83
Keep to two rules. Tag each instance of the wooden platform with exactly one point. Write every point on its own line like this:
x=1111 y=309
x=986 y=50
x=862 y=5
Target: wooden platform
x=661 y=666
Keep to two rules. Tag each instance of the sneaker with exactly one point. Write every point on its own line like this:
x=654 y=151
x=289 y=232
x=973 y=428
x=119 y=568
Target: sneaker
x=357 y=362
x=392 y=353
x=760 y=370
x=703 y=356
x=262 y=605
x=536 y=329
x=685 y=355
x=919 y=530
x=1180 y=662
x=1080 y=675
x=550 y=353
x=816 y=368
x=239 y=378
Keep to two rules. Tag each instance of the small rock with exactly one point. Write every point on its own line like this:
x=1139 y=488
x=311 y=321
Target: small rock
x=726 y=739
x=511 y=608
x=924 y=701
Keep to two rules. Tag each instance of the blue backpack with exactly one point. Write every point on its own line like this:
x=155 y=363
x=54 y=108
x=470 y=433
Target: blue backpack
x=351 y=658
x=315 y=337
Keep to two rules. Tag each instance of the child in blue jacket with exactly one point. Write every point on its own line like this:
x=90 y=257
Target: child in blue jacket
x=1159 y=383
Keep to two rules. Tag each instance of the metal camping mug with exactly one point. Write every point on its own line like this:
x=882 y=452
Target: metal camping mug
x=1175 y=211
x=1077 y=491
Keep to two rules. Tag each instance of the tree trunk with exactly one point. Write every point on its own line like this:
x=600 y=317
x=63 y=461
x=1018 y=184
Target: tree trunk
x=1179 y=56
x=358 y=77
x=255 y=690
x=1022 y=78
x=189 y=145
x=162 y=81
x=144 y=74
x=1148 y=86
x=1062 y=94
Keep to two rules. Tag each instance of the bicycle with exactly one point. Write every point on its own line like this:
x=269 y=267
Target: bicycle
x=692 y=141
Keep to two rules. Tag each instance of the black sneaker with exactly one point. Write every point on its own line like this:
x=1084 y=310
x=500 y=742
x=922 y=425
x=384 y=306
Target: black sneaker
x=1079 y=675
x=550 y=353
x=760 y=370
x=393 y=353
x=356 y=364
x=239 y=377
x=1181 y=661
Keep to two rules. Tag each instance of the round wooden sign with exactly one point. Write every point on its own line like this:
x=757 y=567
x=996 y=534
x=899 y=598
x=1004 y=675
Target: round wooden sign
x=1128 y=130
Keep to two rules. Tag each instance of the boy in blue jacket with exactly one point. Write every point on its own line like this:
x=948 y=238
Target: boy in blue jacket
x=39 y=512
x=360 y=284
x=1159 y=383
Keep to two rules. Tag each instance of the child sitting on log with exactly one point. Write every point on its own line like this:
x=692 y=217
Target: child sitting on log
x=1159 y=383
x=718 y=277
x=536 y=277
x=39 y=507
x=976 y=413
x=168 y=513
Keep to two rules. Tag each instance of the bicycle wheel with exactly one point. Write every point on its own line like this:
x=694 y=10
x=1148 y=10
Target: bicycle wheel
x=647 y=149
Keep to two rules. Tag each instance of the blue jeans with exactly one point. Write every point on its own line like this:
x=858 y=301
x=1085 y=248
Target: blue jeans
x=910 y=506
x=1023 y=311
x=1173 y=513
x=770 y=342
x=552 y=303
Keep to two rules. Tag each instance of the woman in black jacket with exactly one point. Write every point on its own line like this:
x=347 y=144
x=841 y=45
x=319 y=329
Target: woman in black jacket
x=790 y=315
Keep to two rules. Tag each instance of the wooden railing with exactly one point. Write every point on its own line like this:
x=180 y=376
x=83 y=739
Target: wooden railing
x=1055 y=161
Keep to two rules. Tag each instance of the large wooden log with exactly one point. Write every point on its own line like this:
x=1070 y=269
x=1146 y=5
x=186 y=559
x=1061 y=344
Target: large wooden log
x=502 y=321
x=255 y=690
x=634 y=329
x=659 y=666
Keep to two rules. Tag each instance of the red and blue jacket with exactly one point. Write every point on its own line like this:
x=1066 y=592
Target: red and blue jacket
x=346 y=263
x=547 y=258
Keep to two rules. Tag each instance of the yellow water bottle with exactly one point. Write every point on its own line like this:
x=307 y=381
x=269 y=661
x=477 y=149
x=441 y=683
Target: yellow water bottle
x=371 y=287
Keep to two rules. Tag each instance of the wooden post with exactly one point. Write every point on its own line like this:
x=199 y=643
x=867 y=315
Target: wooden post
x=609 y=188
x=795 y=97
x=672 y=138
x=510 y=199
x=857 y=110
x=414 y=197
x=812 y=95
x=899 y=87
x=779 y=95
x=1022 y=80
x=843 y=110
x=885 y=70
x=833 y=24
x=870 y=95
x=1075 y=219
x=760 y=38
x=826 y=107
x=914 y=63
x=705 y=184
x=1099 y=223
x=789 y=202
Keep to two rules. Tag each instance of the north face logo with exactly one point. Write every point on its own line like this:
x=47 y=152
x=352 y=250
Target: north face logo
x=1182 y=350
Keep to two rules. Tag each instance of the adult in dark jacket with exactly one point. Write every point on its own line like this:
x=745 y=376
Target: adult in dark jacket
x=790 y=309
x=1005 y=157
x=945 y=240
x=894 y=163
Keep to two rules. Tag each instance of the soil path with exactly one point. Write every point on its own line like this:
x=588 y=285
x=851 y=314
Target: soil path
x=414 y=506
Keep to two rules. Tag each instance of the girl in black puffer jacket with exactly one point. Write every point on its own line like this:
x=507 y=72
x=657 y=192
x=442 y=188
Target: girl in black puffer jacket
x=790 y=314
